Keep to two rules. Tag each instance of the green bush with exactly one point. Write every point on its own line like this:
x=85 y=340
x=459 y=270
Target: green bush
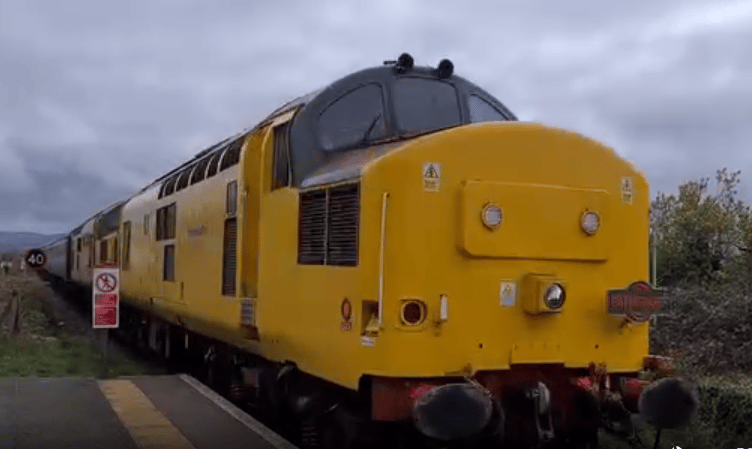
x=726 y=407
x=699 y=236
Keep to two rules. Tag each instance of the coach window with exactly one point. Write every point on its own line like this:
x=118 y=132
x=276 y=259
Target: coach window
x=168 y=269
x=232 y=154
x=159 y=232
x=200 y=171
x=353 y=119
x=160 y=227
x=166 y=222
x=214 y=164
x=171 y=220
x=170 y=186
x=103 y=252
x=483 y=111
x=79 y=244
x=183 y=179
x=146 y=224
x=425 y=105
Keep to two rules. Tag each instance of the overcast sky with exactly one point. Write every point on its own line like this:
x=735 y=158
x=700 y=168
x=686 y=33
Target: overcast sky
x=98 y=98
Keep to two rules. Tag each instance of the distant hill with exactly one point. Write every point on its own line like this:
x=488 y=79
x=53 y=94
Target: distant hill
x=18 y=241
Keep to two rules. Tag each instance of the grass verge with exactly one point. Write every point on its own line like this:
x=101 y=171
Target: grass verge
x=44 y=349
x=59 y=356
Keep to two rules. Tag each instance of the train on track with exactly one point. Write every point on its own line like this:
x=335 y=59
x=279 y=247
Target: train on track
x=395 y=256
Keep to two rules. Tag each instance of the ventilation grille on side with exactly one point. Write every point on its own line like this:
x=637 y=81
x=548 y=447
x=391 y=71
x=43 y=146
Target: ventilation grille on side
x=312 y=228
x=230 y=257
x=328 y=226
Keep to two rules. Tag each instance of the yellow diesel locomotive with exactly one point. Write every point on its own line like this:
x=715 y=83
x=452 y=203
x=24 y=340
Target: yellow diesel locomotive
x=395 y=256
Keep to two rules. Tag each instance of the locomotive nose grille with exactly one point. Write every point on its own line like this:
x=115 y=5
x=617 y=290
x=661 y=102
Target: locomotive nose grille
x=328 y=226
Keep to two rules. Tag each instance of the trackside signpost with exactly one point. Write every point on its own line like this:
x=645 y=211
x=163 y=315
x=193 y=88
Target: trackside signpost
x=105 y=304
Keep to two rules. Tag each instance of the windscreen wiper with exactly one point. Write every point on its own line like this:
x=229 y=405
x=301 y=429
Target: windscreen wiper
x=370 y=128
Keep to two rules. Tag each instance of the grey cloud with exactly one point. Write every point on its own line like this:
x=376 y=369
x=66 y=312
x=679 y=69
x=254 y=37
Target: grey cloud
x=99 y=98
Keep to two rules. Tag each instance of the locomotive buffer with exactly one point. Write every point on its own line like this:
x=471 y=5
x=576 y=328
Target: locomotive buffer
x=170 y=411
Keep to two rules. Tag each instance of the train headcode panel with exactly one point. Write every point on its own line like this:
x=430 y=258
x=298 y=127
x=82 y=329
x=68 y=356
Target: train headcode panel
x=106 y=297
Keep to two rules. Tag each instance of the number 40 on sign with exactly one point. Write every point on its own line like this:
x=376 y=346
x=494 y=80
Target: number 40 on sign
x=106 y=297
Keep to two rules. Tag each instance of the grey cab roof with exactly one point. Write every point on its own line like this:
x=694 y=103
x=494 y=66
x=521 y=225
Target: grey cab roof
x=308 y=154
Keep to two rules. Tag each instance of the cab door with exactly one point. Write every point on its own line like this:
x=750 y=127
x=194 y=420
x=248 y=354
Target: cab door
x=267 y=198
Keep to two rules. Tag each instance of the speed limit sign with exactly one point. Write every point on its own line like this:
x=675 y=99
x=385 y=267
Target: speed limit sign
x=36 y=258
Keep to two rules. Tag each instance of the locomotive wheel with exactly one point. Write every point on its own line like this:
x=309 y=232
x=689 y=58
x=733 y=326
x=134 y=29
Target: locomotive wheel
x=335 y=433
x=217 y=374
x=310 y=433
x=589 y=442
x=335 y=437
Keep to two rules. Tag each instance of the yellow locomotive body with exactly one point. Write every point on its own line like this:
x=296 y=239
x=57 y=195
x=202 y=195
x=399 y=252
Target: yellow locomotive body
x=475 y=259
x=173 y=266
x=435 y=245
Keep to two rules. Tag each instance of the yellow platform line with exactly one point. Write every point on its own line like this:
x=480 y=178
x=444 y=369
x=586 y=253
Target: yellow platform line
x=148 y=427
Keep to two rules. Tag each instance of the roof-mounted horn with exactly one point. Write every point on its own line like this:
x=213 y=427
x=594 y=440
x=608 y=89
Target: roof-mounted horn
x=445 y=69
x=404 y=63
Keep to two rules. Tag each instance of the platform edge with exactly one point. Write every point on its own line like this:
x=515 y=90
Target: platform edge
x=264 y=432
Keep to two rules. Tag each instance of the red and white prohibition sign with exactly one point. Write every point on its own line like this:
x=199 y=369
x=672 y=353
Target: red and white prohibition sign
x=106 y=282
x=105 y=302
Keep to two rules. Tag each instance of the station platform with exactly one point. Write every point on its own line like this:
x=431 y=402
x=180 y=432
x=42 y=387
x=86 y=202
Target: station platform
x=169 y=411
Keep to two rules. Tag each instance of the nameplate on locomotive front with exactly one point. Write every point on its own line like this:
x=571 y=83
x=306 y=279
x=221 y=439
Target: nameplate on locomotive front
x=637 y=302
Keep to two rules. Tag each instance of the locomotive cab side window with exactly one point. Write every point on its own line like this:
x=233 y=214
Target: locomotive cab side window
x=353 y=119
x=483 y=111
x=281 y=169
x=126 y=245
x=232 y=198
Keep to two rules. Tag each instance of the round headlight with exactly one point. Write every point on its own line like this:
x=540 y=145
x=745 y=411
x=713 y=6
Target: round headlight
x=491 y=216
x=555 y=296
x=590 y=222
